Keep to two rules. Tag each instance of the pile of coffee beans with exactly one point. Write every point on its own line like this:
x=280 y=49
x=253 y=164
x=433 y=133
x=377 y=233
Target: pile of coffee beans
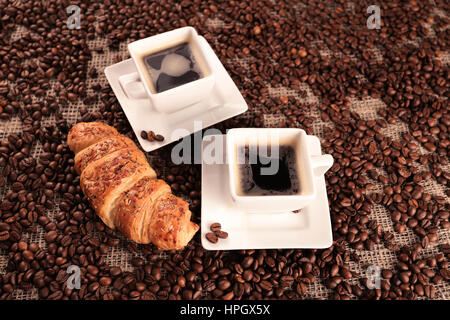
x=321 y=48
x=151 y=136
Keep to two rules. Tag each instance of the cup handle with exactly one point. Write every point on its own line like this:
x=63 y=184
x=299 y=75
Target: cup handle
x=321 y=164
x=132 y=86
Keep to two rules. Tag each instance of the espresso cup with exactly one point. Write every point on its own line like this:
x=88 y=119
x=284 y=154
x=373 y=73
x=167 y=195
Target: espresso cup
x=139 y=85
x=307 y=168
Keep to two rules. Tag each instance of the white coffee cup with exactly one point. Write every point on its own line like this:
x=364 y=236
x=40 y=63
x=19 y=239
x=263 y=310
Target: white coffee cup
x=177 y=98
x=308 y=168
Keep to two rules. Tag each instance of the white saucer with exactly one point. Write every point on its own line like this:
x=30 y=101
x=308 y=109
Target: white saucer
x=224 y=102
x=311 y=228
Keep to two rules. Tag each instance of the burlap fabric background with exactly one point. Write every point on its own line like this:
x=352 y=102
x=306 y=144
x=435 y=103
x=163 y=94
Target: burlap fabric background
x=367 y=109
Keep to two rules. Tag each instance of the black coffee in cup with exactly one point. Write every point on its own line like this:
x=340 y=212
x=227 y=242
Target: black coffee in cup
x=173 y=67
x=267 y=171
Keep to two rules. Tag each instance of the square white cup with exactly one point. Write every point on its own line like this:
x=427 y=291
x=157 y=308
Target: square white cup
x=308 y=168
x=177 y=98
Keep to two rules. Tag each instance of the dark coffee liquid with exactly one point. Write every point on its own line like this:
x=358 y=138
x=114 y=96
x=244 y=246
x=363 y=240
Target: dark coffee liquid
x=267 y=173
x=172 y=67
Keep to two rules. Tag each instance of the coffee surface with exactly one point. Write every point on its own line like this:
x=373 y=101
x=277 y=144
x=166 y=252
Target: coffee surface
x=268 y=172
x=172 y=67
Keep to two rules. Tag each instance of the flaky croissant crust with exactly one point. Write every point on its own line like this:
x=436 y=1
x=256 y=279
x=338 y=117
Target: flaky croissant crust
x=122 y=188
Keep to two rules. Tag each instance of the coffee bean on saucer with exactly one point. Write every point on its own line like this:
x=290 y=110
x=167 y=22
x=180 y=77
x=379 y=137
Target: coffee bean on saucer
x=211 y=237
x=151 y=136
x=297 y=211
x=159 y=138
x=144 y=135
x=221 y=234
x=215 y=227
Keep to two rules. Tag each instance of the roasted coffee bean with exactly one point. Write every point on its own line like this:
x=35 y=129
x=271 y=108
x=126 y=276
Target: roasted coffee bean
x=137 y=262
x=247 y=275
x=215 y=227
x=115 y=271
x=51 y=236
x=105 y=281
x=301 y=289
x=222 y=234
x=151 y=136
x=4 y=235
x=247 y=262
x=211 y=237
x=224 y=285
x=228 y=296
x=93 y=270
x=265 y=285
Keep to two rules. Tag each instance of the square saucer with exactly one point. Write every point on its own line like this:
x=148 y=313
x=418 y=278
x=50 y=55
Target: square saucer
x=224 y=102
x=309 y=229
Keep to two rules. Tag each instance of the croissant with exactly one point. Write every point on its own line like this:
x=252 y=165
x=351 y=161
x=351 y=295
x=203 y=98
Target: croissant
x=101 y=149
x=88 y=133
x=123 y=189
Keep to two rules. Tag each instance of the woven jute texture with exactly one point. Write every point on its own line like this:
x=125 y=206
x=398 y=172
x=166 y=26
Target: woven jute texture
x=367 y=109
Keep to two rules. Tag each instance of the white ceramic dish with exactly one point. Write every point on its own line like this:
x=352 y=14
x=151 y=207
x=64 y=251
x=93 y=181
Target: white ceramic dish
x=308 y=167
x=224 y=101
x=311 y=228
